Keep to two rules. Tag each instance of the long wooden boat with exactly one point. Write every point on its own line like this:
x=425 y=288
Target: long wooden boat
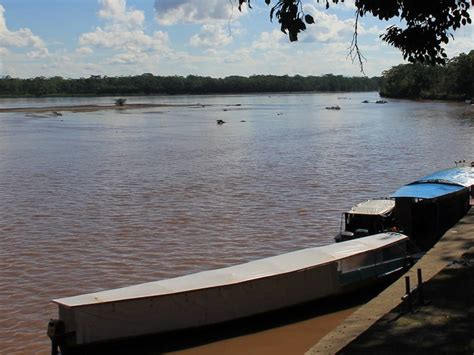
x=216 y=296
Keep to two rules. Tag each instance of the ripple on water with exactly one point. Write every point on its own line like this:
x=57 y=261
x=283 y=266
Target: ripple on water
x=104 y=200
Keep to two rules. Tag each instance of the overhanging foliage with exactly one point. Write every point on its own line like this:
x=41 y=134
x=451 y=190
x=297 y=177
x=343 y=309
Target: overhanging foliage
x=427 y=25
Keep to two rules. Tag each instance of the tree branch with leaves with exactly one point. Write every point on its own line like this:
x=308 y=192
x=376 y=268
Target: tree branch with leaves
x=427 y=25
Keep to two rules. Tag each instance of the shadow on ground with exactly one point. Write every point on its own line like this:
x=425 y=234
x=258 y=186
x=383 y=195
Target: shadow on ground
x=444 y=326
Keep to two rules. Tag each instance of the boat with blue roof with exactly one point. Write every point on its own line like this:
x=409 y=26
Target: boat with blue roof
x=426 y=208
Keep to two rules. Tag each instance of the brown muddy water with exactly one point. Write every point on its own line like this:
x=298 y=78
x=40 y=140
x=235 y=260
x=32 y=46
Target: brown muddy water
x=92 y=201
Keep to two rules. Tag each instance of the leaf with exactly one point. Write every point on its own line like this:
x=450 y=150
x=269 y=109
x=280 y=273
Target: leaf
x=309 y=19
x=299 y=24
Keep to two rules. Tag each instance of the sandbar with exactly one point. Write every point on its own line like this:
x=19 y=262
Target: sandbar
x=90 y=108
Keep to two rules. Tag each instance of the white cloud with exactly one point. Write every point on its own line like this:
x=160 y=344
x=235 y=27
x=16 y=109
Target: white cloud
x=135 y=40
x=39 y=54
x=329 y=28
x=23 y=38
x=123 y=38
x=211 y=35
x=123 y=32
x=460 y=44
x=127 y=58
x=116 y=12
x=170 y=12
x=93 y=68
x=240 y=56
x=84 y=50
x=270 y=40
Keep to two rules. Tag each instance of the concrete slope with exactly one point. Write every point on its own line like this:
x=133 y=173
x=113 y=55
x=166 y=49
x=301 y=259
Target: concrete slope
x=349 y=336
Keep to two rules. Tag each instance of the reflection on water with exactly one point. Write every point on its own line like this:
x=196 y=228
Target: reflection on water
x=99 y=200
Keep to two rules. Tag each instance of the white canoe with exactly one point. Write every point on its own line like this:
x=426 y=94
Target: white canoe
x=216 y=296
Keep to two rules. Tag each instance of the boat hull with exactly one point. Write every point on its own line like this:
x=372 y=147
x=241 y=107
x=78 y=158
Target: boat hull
x=199 y=308
x=223 y=295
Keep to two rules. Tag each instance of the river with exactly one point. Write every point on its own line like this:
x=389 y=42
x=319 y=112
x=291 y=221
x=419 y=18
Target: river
x=91 y=201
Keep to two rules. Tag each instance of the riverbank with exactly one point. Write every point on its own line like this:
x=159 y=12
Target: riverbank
x=444 y=325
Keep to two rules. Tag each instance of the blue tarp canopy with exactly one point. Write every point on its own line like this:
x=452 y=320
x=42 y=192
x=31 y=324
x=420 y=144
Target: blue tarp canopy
x=461 y=175
x=426 y=190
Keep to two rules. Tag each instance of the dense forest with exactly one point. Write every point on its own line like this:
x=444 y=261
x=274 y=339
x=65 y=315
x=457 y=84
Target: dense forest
x=453 y=81
x=149 y=84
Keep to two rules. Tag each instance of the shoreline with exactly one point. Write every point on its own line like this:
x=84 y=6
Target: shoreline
x=382 y=324
x=293 y=338
x=90 y=108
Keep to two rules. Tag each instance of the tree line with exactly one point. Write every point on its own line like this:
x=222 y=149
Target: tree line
x=454 y=81
x=149 y=84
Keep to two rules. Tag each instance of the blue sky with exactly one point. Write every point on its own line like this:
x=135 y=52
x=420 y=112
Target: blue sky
x=79 y=38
